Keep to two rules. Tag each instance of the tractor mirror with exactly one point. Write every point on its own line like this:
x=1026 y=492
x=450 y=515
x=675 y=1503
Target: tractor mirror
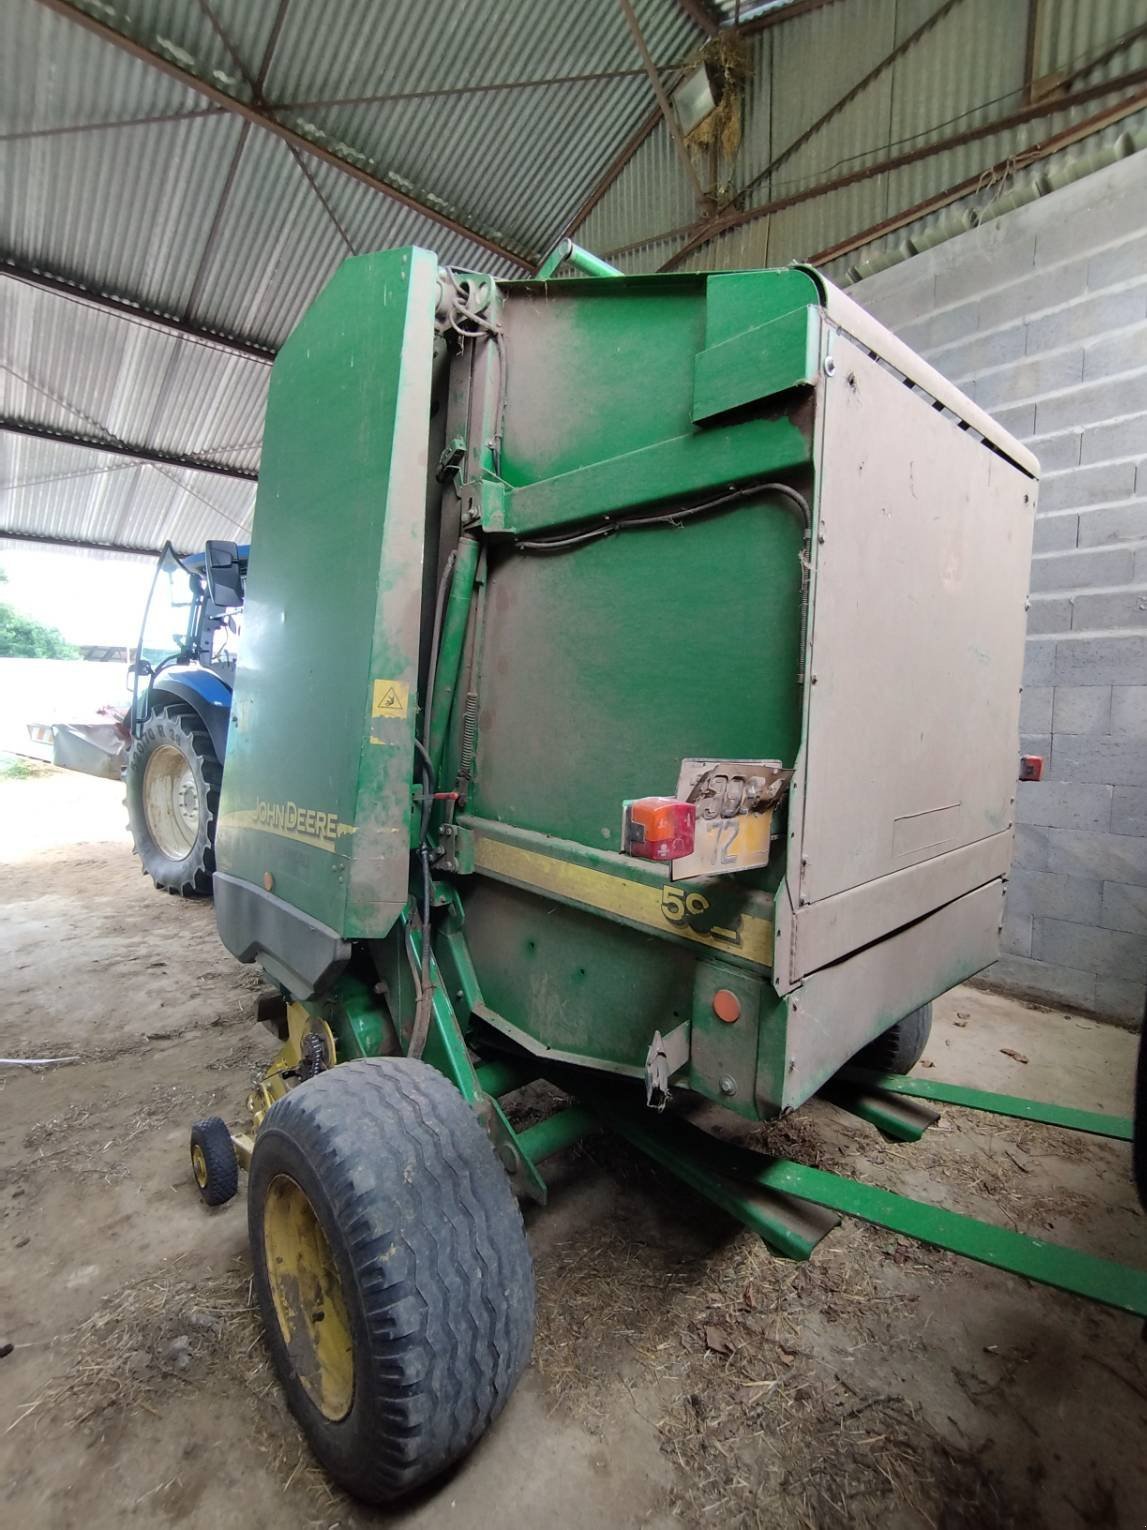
x=224 y=579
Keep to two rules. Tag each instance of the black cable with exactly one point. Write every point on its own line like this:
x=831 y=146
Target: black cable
x=677 y=517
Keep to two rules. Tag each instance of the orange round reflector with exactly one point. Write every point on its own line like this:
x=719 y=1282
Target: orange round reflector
x=726 y=1006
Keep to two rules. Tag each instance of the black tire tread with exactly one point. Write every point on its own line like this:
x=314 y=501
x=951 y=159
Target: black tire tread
x=901 y=1046
x=179 y=725
x=214 y=1137
x=436 y=1255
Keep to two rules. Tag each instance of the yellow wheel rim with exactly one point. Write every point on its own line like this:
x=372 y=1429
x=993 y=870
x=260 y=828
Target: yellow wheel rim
x=199 y=1166
x=308 y=1298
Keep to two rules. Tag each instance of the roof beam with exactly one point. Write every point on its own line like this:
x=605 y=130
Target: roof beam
x=128 y=308
x=43 y=539
x=24 y=134
x=260 y=117
x=616 y=165
x=671 y=122
x=849 y=96
x=126 y=449
x=1019 y=161
x=490 y=88
x=1047 y=107
x=703 y=16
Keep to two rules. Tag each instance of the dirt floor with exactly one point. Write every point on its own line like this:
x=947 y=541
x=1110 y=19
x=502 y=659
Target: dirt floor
x=681 y=1375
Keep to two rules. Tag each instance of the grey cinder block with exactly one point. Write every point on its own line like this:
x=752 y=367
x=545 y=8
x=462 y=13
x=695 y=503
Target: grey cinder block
x=944 y=327
x=1083 y=757
x=1119 y=998
x=1129 y=810
x=1119 y=523
x=1108 y=210
x=1035 y=709
x=1077 y=899
x=1064 y=984
x=1111 y=610
x=1101 y=660
x=1119 y=438
x=996 y=262
x=1048 y=614
x=1080 y=321
x=1089 y=947
x=1031 y=378
x=1082 y=568
x=1081 y=709
x=1041 y=289
x=1016 y=935
x=1018 y=421
x=1121 y=263
x=1057 y=452
x=978 y=353
x=1099 y=484
x=1057 y=532
x=1123 y=351
x=1089 y=404
x=1107 y=857
x=1063 y=804
x=1129 y=709
x=1031 y=847
x=1039 y=661
x=1124 y=907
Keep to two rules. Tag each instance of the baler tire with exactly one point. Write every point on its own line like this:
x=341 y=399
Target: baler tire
x=433 y=1282
x=213 y=1161
x=180 y=729
x=901 y=1046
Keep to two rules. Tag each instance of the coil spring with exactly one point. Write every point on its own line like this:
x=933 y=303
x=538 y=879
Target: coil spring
x=469 y=741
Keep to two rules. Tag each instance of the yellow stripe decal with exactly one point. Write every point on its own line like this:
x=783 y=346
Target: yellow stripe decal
x=260 y=823
x=637 y=902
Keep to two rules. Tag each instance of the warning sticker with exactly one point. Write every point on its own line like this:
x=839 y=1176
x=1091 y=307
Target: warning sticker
x=391 y=699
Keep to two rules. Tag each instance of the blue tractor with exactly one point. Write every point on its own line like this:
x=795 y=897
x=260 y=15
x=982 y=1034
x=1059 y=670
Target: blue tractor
x=182 y=676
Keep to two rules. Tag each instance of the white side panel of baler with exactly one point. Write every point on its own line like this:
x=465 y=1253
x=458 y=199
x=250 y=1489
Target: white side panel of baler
x=917 y=630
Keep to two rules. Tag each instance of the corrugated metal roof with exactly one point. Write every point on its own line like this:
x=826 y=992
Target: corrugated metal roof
x=500 y=114
x=222 y=225
x=965 y=70
x=125 y=504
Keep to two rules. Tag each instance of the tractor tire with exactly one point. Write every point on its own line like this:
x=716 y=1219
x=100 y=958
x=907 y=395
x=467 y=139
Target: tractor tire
x=173 y=779
x=213 y=1161
x=902 y=1045
x=391 y=1270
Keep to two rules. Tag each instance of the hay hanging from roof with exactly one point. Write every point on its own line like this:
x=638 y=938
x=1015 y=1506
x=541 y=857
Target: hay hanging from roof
x=727 y=64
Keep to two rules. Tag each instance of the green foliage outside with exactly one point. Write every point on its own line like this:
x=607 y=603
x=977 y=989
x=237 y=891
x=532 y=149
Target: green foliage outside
x=23 y=638
x=12 y=768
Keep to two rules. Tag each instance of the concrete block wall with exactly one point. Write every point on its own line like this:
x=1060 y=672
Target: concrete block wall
x=1040 y=315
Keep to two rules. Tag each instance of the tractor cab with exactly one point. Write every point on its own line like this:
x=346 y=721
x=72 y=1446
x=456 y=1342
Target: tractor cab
x=191 y=620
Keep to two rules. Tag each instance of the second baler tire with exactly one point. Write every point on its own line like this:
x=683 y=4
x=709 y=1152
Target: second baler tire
x=435 y=1273
x=901 y=1046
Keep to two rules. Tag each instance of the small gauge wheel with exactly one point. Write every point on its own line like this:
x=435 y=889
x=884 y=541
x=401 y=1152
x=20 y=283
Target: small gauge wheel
x=213 y=1161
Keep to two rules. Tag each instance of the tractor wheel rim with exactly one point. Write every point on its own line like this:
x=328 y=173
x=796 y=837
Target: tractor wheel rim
x=171 y=802
x=307 y=1293
x=199 y=1166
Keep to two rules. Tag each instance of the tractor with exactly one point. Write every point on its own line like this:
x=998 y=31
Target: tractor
x=182 y=677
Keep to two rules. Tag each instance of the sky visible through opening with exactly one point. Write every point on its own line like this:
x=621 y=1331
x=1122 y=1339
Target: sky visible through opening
x=92 y=600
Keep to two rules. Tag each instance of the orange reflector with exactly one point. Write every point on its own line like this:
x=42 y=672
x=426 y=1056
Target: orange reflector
x=726 y=1006
x=658 y=828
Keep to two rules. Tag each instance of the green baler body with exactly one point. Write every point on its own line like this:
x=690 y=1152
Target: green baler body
x=592 y=670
